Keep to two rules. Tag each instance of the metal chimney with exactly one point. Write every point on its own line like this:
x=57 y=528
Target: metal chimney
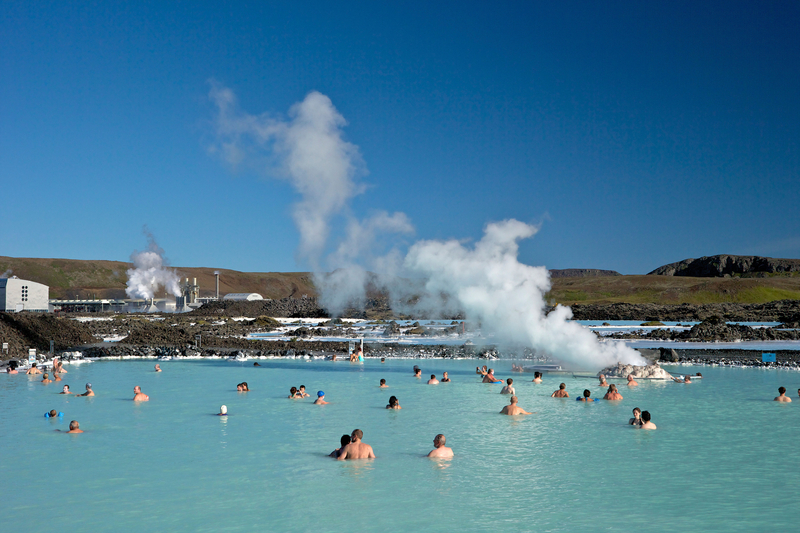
x=216 y=275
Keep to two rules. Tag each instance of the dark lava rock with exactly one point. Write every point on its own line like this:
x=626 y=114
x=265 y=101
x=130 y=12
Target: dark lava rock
x=717 y=266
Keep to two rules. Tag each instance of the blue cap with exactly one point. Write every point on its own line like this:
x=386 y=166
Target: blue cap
x=320 y=394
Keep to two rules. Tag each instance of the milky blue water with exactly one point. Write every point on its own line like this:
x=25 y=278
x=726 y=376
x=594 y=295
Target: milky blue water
x=724 y=457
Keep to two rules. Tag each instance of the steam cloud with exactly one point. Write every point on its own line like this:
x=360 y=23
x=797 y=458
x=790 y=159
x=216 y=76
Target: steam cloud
x=149 y=272
x=487 y=281
x=6 y=274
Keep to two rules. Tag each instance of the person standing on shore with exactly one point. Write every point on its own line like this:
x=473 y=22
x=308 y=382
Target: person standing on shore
x=782 y=398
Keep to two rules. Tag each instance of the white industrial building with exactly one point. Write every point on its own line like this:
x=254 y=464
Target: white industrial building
x=22 y=295
x=242 y=296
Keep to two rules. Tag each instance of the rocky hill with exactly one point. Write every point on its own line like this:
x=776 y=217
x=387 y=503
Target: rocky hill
x=717 y=266
x=581 y=273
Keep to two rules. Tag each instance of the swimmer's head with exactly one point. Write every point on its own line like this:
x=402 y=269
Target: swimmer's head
x=345 y=440
x=74 y=425
x=491 y=370
x=357 y=434
x=34 y=365
x=53 y=413
x=586 y=393
x=439 y=439
x=630 y=377
x=320 y=394
x=293 y=390
x=637 y=410
x=66 y=388
x=88 y=386
x=782 y=390
x=646 y=416
x=239 y=387
x=223 y=410
x=45 y=376
x=383 y=359
x=383 y=382
x=137 y=389
x=433 y=376
x=562 y=386
x=514 y=399
x=393 y=400
x=302 y=387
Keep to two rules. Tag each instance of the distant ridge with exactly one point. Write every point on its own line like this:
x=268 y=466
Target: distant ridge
x=582 y=273
x=719 y=266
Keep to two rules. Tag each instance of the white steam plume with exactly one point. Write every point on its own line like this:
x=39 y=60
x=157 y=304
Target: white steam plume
x=149 y=272
x=6 y=274
x=311 y=154
x=487 y=282
x=507 y=297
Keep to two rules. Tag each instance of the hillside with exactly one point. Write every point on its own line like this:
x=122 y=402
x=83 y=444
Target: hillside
x=69 y=278
x=729 y=265
x=80 y=279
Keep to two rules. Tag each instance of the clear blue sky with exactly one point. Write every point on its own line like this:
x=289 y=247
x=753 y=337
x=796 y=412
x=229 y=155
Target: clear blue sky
x=636 y=133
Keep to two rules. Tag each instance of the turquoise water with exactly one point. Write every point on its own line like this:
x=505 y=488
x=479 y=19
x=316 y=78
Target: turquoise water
x=724 y=457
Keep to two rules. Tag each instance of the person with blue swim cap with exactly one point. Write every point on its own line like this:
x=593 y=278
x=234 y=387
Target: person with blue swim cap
x=320 y=399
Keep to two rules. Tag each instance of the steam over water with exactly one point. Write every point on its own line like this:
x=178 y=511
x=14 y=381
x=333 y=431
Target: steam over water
x=485 y=281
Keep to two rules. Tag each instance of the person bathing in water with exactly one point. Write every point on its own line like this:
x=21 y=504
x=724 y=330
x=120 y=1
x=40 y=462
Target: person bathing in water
x=513 y=409
x=537 y=377
x=509 y=388
x=489 y=377
x=561 y=392
x=637 y=417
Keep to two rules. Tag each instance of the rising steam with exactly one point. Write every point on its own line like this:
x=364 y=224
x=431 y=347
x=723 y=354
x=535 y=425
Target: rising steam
x=507 y=297
x=150 y=272
x=486 y=281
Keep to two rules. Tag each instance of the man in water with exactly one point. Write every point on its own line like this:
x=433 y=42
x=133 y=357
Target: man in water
x=646 y=424
x=631 y=382
x=561 y=392
x=686 y=379
x=782 y=397
x=139 y=396
x=508 y=389
x=89 y=391
x=603 y=382
x=33 y=370
x=537 y=377
x=46 y=378
x=383 y=384
x=513 y=409
x=158 y=367
x=433 y=380
x=356 y=449
x=489 y=377
x=74 y=427
x=65 y=390
x=320 y=399
x=440 y=450
x=613 y=393
x=302 y=392
x=417 y=372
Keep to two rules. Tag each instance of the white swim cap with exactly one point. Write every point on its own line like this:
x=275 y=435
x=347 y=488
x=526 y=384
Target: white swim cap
x=223 y=410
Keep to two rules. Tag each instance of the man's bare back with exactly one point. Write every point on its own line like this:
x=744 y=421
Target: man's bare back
x=356 y=449
x=513 y=409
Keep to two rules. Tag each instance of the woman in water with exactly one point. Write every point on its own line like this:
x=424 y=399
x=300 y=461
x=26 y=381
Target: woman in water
x=293 y=394
x=445 y=379
x=637 y=417
x=393 y=403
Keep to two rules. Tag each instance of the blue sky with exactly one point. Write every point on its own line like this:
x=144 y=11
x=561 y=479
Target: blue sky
x=636 y=134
